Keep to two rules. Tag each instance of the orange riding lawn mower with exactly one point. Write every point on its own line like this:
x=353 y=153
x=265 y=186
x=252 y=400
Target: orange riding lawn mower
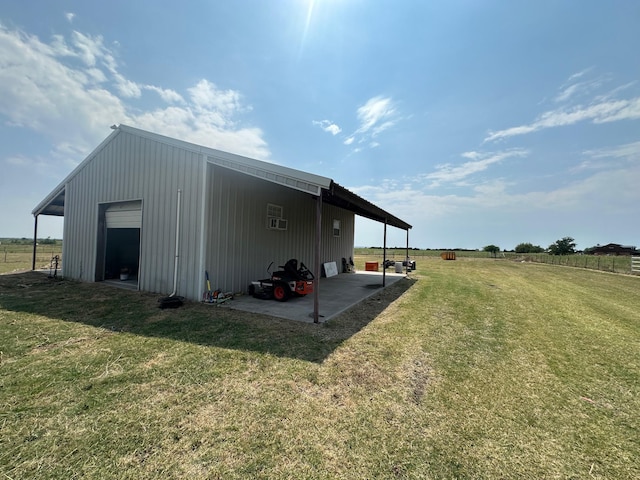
x=283 y=284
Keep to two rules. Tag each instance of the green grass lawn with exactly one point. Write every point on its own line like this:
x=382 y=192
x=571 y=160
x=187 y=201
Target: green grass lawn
x=19 y=257
x=479 y=369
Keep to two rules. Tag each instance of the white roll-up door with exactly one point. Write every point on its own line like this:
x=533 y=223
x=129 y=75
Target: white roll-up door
x=124 y=215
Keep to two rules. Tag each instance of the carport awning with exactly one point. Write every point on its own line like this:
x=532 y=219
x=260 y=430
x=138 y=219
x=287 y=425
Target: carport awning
x=341 y=197
x=336 y=195
x=52 y=205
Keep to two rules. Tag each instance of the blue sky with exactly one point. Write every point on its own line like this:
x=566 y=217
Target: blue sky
x=478 y=123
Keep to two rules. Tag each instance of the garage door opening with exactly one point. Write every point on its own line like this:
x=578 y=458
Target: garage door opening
x=119 y=240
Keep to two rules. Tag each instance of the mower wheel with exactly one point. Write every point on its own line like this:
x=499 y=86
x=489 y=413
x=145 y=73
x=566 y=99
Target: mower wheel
x=281 y=292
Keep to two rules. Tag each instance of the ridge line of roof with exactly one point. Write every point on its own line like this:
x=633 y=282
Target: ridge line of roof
x=319 y=180
x=324 y=184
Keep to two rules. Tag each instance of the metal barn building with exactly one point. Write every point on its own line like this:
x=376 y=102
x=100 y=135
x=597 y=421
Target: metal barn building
x=164 y=211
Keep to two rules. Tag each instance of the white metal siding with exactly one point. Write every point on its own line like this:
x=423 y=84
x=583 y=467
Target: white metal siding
x=239 y=244
x=127 y=168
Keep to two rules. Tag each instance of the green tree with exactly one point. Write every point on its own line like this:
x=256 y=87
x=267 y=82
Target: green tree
x=528 y=248
x=565 y=246
x=492 y=249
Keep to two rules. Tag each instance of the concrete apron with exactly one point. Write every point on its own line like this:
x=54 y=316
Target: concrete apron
x=337 y=294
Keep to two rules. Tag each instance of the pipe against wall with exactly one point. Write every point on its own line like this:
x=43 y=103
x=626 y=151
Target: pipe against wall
x=177 y=254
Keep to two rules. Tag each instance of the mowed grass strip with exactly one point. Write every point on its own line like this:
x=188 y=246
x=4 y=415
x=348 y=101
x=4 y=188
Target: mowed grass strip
x=480 y=369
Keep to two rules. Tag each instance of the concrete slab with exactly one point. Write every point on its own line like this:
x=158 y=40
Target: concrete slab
x=337 y=294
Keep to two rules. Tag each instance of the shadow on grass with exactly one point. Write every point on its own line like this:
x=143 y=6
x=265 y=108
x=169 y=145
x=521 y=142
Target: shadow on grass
x=102 y=306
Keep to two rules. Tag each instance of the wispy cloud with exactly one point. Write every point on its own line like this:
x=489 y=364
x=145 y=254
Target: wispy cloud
x=607 y=158
x=328 y=126
x=71 y=90
x=70 y=16
x=376 y=113
x=608 y=111
x=577 y=85
x=494 y=213
x=628 y=150
x=602 y=108
x=478 y=162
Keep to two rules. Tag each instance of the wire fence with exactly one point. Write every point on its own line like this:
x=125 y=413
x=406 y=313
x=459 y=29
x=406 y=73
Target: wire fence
x=20 y=257
x=605 y=263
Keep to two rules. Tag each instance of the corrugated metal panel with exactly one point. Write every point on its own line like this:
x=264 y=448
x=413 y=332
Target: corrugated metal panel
x=239 y=245
x=132 y=167
x=294 y=178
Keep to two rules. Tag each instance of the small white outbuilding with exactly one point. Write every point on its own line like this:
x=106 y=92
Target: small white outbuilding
x=164 y=211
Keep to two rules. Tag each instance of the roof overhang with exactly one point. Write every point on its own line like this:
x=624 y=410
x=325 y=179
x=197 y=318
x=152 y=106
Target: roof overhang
x=53 y=204
x=316 y=185
x=343 y=198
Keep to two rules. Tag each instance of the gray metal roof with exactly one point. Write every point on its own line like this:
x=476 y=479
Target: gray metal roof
x=332 y=193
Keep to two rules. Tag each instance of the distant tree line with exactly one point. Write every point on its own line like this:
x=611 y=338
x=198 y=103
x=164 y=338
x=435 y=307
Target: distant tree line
x=563 y=246
x=29 y=241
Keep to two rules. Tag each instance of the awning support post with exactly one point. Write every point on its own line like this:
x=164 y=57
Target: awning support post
x=384 y=255
x=317 y=270
x=35 y=242
x=406 y=269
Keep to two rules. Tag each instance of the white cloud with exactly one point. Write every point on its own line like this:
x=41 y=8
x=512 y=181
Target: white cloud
x=610 y=157
x=579 y=74
x=328 y=126
x=43 y=88
x=377 y=115
x=567 y=92
x=127 y=88
x=573 y=88
x=373 y=112
x=601 y=108
x=168 y=95
x=205 y=95
x=448 y=173
x=495 y=215
x=628 y=150
x=70 y=16
x=608 y=111
x=88 y=49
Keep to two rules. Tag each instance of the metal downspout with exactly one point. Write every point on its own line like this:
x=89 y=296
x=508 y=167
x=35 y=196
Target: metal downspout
x=175 y=262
